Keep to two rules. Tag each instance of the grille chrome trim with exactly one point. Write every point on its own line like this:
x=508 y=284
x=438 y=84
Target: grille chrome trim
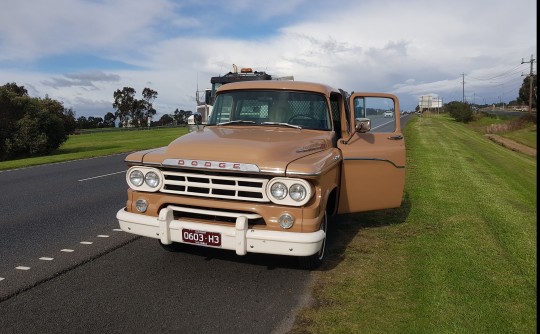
x=214 y=212
x=215 y=186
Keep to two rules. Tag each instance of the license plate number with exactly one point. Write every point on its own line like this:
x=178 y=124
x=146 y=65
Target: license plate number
x=201 y=237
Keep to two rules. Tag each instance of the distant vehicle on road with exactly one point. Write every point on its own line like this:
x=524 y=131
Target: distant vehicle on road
x=388 y=113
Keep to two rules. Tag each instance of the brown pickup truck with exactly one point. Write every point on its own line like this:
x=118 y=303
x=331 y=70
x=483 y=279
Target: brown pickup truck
x=274 y=162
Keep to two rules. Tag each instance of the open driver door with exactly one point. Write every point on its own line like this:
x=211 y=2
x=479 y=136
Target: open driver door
x=373 y=168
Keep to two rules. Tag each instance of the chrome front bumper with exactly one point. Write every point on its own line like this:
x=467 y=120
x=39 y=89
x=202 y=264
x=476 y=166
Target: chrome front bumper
x=238 y=237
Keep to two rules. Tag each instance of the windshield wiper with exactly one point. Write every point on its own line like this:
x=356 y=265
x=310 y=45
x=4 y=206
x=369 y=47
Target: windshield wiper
x=237 y=122
x=282 y=124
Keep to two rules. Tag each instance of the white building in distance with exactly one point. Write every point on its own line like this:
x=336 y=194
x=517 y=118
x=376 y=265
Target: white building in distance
x=429 y=103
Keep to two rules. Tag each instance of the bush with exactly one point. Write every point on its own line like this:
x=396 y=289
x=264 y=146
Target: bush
x=30 y=126
x=527 y=118
x=461 y=112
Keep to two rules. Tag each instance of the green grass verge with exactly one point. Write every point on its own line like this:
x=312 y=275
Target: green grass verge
x=459 y=256
x=102 y=143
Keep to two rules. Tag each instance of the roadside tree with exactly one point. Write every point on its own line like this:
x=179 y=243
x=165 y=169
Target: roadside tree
x=166 y=120
x=108 y=120
x=131 y=111
x=524 y=91
x=181 y=116
x=124 y=103
x=149 y=96
x=31 y=126
x=460 y=111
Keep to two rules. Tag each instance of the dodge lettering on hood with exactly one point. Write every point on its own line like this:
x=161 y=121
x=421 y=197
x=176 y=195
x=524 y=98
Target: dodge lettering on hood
x=275 y=161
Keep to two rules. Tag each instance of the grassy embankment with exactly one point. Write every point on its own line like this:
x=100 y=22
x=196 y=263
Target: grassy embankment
x=102 y=143
x=518 y=129
x=459 y=256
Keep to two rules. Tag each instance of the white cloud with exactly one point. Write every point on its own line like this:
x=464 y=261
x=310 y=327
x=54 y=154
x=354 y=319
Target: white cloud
x=409 y=48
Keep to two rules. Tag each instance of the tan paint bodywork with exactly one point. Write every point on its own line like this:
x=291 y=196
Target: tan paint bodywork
x=270 y=148
x=373 y=175
x=368 y=171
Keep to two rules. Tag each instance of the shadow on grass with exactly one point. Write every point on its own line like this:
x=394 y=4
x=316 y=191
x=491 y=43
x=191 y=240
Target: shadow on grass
x=345 y=228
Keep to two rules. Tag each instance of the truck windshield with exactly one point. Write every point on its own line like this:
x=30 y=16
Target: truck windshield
x=270 y=107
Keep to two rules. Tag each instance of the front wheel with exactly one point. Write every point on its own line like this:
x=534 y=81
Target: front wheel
x=314 y=261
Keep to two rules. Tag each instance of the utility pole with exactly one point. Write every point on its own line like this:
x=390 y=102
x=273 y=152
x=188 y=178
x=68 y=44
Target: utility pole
x=530 y=80
x=463 y=98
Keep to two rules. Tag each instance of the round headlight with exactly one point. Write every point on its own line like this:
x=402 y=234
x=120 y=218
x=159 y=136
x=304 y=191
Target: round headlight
x=297 y=192
x=278 y=190
x=151 y=179
x=136 y=178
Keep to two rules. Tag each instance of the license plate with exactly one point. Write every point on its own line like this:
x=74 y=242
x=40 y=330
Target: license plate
x=201 y=237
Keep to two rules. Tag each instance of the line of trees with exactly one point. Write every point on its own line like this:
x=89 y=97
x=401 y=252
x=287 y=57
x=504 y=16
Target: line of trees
x=132 y=112
x=32 y=126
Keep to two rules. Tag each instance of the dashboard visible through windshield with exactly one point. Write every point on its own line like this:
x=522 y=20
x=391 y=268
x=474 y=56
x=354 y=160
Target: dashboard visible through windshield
x=267 y=107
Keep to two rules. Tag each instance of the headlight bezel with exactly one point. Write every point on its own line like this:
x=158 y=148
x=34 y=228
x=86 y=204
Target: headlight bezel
x=289 y=184
x=145 y=186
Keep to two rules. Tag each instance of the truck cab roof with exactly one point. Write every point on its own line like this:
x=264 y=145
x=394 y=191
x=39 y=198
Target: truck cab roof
x=280 y=85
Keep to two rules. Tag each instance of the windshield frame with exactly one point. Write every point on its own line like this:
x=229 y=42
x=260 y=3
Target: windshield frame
x=270 y=107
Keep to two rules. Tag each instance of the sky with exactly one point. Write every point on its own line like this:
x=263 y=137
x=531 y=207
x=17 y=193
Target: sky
x=81 y=51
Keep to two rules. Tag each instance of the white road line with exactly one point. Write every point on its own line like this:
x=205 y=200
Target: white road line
x=1 y=278
x=66 y=250
x=97 y=177
x=117 y=229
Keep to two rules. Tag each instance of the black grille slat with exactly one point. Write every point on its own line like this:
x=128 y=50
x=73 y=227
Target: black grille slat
x=249 y=194
x=223 y=192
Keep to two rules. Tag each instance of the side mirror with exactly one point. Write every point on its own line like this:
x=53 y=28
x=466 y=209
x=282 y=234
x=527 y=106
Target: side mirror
x=362 y=125
x=197 y=118
x=195 y=122
x=208 y=96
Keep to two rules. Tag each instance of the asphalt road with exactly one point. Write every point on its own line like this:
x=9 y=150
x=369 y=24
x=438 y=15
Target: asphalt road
x=65 y=267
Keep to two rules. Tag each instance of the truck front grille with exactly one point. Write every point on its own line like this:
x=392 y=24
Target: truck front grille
x=215 y=186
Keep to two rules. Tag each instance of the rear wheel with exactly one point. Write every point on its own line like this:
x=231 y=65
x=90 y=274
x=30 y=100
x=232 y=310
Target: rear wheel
x=174 y=247
x=314 y=261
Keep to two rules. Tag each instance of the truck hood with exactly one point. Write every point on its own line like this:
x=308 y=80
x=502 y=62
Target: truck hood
x=266 y=149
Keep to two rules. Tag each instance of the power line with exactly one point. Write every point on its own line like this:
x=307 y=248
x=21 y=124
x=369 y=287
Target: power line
x=507 y=73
